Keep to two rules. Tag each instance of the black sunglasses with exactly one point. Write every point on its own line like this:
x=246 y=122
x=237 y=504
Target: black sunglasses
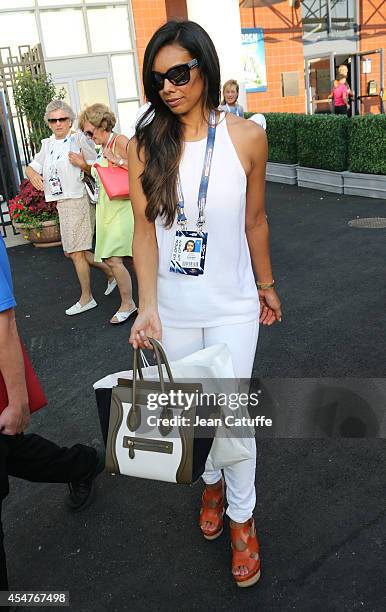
x=177 y=75
x=89 y=134
x=60 y=119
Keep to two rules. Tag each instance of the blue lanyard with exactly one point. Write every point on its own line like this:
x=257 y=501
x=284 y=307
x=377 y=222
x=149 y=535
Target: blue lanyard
x=202 y=193
x=234 y=110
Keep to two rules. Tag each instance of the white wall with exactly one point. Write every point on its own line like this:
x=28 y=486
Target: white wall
x=221 y=19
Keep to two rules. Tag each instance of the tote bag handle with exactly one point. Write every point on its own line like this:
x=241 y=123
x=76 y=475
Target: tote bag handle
x=134 y=416
x=160 y=358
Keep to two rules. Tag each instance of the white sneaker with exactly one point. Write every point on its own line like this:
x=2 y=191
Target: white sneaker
x=78 y=308
x=110 y=286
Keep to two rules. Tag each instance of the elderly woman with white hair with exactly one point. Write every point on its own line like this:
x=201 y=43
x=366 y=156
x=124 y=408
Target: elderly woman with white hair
x=57 y=170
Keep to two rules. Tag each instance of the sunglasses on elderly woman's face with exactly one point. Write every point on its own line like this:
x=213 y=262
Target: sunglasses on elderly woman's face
x=88 y=133
x=177 y=75
x=60 y=119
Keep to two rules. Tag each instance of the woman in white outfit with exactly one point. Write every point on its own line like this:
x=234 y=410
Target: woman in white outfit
x=57 y=170
x=198 y=305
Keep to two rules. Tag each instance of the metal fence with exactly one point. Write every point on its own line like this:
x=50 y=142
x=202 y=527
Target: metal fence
x=16 y=147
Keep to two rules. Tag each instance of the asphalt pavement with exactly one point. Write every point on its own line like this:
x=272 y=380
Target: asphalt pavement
x=320 y=511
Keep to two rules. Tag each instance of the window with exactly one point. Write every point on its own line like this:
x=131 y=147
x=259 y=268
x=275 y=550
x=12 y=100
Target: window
x=18 y=29
x=12 y=4
x=56 y=2
x=109 y=29
x=59 y=89
x=342 y=14
x=127 y=112
x=93 y=90
x=63 y=32
x=124 y=76
x=332 y=16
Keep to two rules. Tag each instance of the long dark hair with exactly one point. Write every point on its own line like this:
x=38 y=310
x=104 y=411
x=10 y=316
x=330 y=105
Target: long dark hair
x=159 y=131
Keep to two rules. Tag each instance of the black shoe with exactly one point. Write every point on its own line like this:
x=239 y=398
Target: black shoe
x=82 y=492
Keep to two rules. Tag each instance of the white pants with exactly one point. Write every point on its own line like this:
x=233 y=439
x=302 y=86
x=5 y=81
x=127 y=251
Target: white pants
x=242 y=341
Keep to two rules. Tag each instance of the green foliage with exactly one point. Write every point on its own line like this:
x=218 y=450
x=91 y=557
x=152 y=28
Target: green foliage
x=329 y=142
x=30 y=208
x=32 y=93
x=322 y=141
x=281 y=134
x=367 y=144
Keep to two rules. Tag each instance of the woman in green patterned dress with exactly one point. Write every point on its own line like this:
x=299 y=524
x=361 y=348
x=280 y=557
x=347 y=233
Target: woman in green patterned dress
x=114 y=218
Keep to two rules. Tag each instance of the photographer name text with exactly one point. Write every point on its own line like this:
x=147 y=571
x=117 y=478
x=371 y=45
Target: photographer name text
x=229 y=421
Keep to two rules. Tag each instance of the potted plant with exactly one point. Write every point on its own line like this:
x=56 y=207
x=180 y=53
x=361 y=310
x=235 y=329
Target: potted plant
x=282 y=151
x=322 y=151
x=32 y=93
x=367 y=157
x=37 y=219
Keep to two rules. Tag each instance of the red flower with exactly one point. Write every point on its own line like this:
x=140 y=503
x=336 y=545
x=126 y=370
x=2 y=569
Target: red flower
x=31 y=203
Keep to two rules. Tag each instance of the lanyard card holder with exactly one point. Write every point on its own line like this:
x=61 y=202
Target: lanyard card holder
x=55 y=184
x=189 y=251
x=189 y=247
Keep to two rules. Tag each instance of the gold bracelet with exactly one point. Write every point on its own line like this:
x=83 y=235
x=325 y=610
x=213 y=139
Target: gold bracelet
x=264 y=286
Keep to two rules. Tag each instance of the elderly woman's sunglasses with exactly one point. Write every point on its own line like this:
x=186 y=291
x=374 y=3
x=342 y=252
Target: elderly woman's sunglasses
x=60 y=119
x=177 y=75
x=89 y=134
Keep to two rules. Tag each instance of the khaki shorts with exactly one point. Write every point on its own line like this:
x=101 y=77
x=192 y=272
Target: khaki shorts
x=77 y=223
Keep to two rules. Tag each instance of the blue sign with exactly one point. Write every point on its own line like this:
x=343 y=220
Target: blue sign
x=253 y=58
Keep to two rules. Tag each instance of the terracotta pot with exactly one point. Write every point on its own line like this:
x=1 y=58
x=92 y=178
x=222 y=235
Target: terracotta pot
x=47 y=236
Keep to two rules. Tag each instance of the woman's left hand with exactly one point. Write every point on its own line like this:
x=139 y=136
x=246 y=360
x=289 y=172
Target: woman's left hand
x=270 y=307
x=77 y=159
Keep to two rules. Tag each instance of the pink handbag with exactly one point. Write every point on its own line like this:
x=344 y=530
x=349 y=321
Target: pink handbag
x=114 y=179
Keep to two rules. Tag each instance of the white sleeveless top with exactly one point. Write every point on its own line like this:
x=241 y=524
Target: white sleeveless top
x=226 y=293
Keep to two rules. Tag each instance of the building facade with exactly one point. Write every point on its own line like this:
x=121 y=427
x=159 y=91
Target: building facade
x=94 y=48
x=304 y=43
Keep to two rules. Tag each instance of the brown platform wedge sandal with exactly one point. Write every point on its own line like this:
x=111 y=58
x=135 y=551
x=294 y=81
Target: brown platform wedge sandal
x=212 y=510
x=245 y=552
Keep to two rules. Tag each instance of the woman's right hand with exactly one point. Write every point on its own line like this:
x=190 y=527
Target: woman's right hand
x=37 y=181
x=146 y=325
x=77 y=159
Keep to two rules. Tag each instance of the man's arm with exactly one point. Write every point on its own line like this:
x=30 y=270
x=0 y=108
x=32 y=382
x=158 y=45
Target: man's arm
x=15 y=418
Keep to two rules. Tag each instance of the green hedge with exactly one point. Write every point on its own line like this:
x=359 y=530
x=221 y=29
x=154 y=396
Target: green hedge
x=367 y=144
x=329 y=142
x=281 y=134
x=322 y=141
